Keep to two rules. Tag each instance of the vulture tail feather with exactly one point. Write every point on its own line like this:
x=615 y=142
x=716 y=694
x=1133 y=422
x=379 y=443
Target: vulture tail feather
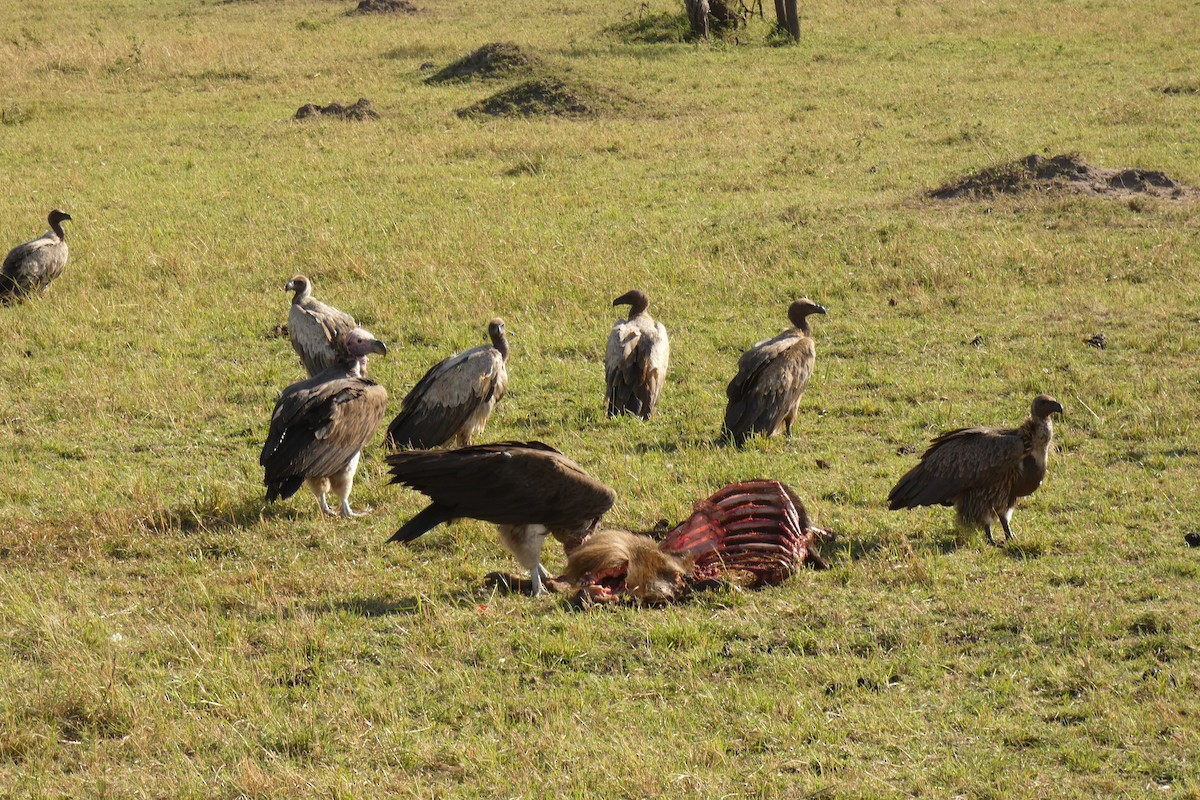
x=429 y=518
x=284 y=488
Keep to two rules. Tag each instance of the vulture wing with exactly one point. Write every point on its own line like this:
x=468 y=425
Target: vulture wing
x=313 y=327
x=317 y=427
x=35 y=262
x=635 y=366
x=446 y=399
x=507 y=483
x=957 y=461
x=771 y=377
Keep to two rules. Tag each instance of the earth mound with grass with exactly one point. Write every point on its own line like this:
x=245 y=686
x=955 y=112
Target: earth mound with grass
x=548 y=96
x=1061 y=173
x=358 y=111
x=384 y=7
x=493 y=61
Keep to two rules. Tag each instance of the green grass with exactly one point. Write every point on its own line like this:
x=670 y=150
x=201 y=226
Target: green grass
x=164 y=634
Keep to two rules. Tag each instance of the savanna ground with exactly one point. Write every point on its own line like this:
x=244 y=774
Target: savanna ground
x=164 y=634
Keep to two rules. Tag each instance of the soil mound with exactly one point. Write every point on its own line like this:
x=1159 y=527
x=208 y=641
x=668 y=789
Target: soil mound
x=490 y=62
x=359 y=111
x=384 y=7
x=1061 y=173
x=545 y=97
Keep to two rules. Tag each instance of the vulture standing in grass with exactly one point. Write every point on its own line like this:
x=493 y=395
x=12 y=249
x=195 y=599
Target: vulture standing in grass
x=30 y=267
x=455 y=398
x=320 y=425
x=982 y=472
x=765 y=394
x=635 y=362
x=314 y=327
x=527 y=489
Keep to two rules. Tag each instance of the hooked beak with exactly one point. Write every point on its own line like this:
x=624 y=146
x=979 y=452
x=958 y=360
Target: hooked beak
x=624 y=300
x=378 y=347
x=290 y=286
x=1056 y=408
x=819 y=309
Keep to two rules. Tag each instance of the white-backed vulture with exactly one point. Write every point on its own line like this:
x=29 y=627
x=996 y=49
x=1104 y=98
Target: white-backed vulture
x=321 y=424
x=30 y=267
x=527 y=489
x=314 y=326
x=635 y=362
x=772 y=375
x=982 y=472
x=455 y=397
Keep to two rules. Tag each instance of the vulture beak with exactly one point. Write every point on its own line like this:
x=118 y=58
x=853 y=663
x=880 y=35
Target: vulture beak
x=378 y=347
x=1056 y=407
x=624 y=300
x=66 y=215
x=290 y=286
x=818 y=309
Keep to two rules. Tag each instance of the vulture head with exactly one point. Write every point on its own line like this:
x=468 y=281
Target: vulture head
x=356 y=344
x=636 y=299
x=798 y=312
x=496 y=332
x=55 y=219
x=1043 y=406
x=300 y=285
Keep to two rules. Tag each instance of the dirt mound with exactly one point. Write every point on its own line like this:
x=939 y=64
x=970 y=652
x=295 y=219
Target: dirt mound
x=383 y=7
x=545 y=97
x=359 y=111
x=490 y=62
x=1061 y=173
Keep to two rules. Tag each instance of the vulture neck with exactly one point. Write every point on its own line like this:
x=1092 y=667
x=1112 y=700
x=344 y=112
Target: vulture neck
x=802 y=325
x=56 y=226
x=301 y=295
x=501 y=343
x=638 y=307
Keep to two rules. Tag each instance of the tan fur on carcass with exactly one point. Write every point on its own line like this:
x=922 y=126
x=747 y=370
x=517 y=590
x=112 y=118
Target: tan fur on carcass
x=651 y=574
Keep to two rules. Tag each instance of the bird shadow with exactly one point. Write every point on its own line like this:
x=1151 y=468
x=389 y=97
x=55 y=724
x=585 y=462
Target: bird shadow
x=215 y=515
x=369 y=607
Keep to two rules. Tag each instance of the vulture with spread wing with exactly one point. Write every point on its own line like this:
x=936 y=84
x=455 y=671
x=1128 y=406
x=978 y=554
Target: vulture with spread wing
x=527 y=489
x=635 y=362
x=982 y=472
x=314 y=327
x=320 y=426
x=30 y=267
x=765 y=394
x=455 y=397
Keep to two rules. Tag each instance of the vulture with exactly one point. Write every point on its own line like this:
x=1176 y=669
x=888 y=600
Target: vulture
x=527 y=489
x=982 y=472
x=635 y=362
x=765 y=394
x=320 y=425
x=314 y=327
x=455 y=397
x=30 y=267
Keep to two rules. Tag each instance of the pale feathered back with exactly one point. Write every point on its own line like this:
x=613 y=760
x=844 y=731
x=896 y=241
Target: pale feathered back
x=313 y=326
x=30 y=267
x=455 y=397
x=635 y=361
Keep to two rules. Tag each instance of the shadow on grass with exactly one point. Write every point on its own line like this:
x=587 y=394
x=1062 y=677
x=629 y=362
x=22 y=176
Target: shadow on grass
x=220 y=516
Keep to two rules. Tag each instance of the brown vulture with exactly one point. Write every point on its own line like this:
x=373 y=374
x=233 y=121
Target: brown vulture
x=30 y=267
x=982 y=472
x=455 y=397
x=320 y=425
x=635 y=362
x=765 y=394
x=527 y=489
x=314 y=326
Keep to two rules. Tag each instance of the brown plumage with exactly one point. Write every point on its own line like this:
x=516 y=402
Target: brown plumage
x=30 y=267
x=321 y=424
x=527 y=489
x=455 y=398
x=635 y=361
x=982 y=472
x=765 y=394
x=314 y=327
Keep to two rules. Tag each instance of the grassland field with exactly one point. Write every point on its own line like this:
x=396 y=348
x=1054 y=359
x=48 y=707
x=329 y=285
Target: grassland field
x=164 y=633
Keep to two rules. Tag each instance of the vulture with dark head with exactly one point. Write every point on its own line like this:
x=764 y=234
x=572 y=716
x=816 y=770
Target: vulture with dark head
x=30 y=267
x=455 y=397
x=635 y=362
x=527 y=489
x=982 y=472
x=320 y=425
x=314 y=327
x=765 y=394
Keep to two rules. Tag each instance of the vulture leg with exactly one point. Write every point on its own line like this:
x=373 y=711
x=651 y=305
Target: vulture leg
x=987 y=529
x=1008 y=534
x=320 y=487
x=525 y=542
x=342 y=483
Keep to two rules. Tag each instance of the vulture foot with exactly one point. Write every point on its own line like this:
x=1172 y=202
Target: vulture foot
x=347 y=512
